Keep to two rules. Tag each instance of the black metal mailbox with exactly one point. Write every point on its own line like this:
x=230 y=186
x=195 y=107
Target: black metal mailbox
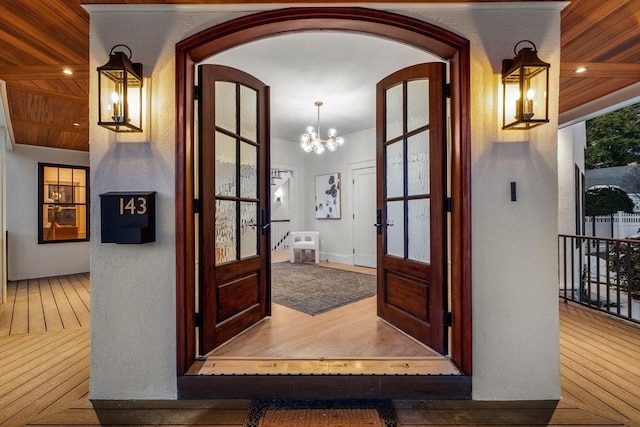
x=128 y=217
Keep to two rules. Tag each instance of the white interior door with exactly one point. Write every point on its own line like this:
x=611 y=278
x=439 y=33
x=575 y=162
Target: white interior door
x=364 y=218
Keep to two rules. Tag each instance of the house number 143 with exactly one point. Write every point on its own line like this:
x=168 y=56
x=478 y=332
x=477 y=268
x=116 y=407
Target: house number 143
x=134 y=206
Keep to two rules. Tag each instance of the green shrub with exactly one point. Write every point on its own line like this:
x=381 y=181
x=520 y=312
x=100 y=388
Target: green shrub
x=624 y=259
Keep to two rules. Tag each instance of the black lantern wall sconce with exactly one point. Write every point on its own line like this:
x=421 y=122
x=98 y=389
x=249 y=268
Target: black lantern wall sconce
x=120 y=92
x=525 y=89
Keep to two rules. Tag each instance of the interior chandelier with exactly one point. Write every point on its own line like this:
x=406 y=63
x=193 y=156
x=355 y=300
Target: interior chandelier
x=311 y=141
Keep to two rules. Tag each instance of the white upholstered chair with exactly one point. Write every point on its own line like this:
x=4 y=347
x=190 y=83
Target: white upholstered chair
x=302 y=241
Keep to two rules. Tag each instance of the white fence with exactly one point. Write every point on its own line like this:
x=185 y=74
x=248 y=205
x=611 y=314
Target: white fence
x=618 y=226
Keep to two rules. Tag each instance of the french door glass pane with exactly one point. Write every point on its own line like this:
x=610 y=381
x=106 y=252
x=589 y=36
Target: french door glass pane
x=248 y=170
x=394 y=170
x=417 y=104
x=394 y=109
x=248 y=229
x=418 y=233
x=225 y=231
x=226 y=106
x=225 y=165
x=248 y=113
x=395 y=228
x=418 y=164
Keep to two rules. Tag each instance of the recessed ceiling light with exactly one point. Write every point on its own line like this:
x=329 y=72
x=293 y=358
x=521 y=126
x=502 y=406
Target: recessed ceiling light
x=67 y=71
x=581 y=69
x=76 y=124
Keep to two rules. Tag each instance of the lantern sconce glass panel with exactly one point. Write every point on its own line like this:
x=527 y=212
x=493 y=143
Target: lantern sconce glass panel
x=525 y=85
x=120 y=92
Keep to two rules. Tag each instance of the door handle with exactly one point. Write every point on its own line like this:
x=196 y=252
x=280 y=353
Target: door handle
x=378 y=223
x=265 y=221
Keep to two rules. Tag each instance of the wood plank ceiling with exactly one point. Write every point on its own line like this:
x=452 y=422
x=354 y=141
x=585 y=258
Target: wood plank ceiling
x=38 y=40
x=41 y=38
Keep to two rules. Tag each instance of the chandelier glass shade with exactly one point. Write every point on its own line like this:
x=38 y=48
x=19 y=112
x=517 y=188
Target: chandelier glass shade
x=310 y=140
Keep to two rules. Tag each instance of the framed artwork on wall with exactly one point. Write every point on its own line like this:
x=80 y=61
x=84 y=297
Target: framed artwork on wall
x=328 y=196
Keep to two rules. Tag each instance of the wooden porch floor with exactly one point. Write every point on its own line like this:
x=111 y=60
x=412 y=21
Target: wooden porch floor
x=44 y=374
x=46 y=304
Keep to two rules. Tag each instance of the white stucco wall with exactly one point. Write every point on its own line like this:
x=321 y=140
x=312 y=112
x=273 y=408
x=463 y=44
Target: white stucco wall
x=571 y=144
x=514 y=276
x=515 y=307
x=27 y=258
x=6 y=143
x=3 y=224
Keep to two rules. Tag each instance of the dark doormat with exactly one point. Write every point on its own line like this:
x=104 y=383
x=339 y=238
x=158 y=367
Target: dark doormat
x=321 y=413
x=313 y=289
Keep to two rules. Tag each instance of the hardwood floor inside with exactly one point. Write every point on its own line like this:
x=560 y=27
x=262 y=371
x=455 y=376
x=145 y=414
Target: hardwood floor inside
x=44 y=380
x=347 y=340
x=350 y=331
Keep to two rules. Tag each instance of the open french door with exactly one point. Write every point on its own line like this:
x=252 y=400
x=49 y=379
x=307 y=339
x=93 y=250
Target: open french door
x=233 y=122
x=411 y=219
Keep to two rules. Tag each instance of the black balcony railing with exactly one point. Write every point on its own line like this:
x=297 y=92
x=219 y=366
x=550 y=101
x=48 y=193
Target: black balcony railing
x=601 y=273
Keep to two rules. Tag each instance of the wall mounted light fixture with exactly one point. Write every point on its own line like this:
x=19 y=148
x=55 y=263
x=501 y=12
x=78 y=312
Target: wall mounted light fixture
x=120 y=92
x=525 y=89
x=278 y=195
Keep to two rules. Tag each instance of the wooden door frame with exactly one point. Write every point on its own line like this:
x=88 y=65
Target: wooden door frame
x=416 y=33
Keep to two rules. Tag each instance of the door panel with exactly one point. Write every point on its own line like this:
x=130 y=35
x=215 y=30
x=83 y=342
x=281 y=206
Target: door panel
x=238 y=295
x=410 y=201
x=408 y=294
x=234 y=154
x=365 y=217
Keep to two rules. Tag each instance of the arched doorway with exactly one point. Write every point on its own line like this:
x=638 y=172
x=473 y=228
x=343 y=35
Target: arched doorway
x=371 y=22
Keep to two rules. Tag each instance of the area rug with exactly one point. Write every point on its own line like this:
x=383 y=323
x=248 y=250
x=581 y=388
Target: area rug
x=313 y=289
x=321 y=413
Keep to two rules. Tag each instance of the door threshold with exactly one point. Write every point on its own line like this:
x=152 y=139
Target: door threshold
x=348 y=386
x=426 y=365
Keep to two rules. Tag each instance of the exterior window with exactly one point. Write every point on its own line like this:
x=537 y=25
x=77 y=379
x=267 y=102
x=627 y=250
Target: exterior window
x=63 y=198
